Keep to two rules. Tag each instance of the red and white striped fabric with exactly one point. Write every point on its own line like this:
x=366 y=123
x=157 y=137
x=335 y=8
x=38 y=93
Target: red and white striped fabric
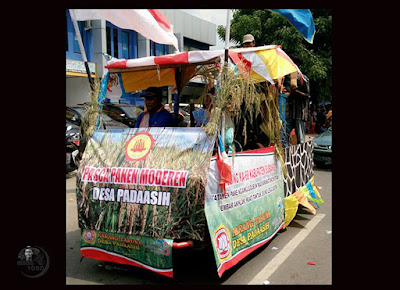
x=150 y=23
x=250 y=59
x=272 y=66
x=186 y=57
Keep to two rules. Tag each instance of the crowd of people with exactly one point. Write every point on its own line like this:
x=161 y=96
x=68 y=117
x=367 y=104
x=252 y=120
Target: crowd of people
x=319 y=119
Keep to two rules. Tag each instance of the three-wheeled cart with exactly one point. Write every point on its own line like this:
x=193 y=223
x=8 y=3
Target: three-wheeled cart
x=143 y=193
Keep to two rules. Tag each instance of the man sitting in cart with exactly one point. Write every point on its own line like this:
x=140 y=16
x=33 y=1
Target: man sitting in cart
x=155 y=115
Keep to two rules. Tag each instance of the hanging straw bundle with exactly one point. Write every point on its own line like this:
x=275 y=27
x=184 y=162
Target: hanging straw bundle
x=90 y=117
x=208 y=74
x=235 y=88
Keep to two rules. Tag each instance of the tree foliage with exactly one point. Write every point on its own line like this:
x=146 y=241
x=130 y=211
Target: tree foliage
x=314 y=60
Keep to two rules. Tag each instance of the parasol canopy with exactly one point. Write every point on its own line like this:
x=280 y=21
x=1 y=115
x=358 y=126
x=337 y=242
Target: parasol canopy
x=265 y=63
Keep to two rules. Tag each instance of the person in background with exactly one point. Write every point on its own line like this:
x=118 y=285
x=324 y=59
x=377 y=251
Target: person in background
x=248 y=41
x=181 y=120
x=313 y=119
x=300 y=105
x=202 y=116
x=329 y=117
x=321 y=119
x=155 y=114
x=284 y=92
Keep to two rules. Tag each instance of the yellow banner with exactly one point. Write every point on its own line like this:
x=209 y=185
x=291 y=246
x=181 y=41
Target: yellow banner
x=141 y=80
x=291 y=206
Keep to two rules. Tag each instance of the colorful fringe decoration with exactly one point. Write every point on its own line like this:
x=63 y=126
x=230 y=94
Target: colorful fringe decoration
x=307 y=192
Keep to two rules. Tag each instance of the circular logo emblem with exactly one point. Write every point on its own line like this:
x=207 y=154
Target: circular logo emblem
x=164 y=248
x=222 y=241
x=33 y=261
x=89 y=236
x=139 y=146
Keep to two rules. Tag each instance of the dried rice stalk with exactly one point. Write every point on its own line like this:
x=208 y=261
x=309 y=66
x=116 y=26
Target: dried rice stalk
x=236 y=88
x=89 y=119
x=208 y=74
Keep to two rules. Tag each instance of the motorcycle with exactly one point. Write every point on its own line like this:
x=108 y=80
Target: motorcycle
x=72 y=148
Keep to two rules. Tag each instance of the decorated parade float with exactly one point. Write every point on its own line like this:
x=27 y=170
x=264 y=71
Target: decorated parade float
x=143 y=193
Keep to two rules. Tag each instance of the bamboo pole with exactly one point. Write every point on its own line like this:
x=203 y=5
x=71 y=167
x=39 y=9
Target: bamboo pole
x=81 y=47
x=227 y=36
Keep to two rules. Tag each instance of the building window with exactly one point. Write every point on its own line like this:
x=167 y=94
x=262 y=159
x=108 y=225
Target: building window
x=76 y=43
x=191 y=44
x=73 y=50
x=160 y=48
x=157 y=49
x=152 y=48
x=112 y=41
x=115 y=38
x=108 y=36
x=125 y=44
x=121 y=43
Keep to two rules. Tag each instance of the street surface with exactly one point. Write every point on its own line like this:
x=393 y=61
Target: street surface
x=282 y=261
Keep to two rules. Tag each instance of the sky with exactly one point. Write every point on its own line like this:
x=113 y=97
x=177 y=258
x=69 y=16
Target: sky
x=216 y=16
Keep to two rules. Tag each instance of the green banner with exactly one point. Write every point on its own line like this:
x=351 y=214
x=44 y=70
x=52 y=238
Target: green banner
x=143 y=252
x=146 y=182
x=251 y=212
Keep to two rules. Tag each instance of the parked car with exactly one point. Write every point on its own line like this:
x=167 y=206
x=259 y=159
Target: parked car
x=185 y=115
x=323 y=148
x=124 y=113
x=75 y=113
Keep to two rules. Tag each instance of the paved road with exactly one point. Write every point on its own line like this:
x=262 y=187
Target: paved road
x=308 y=238
x=281 y=261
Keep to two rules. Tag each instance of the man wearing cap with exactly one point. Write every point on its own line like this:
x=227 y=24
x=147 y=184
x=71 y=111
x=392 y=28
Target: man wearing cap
x=155 y=114
x=248 y=41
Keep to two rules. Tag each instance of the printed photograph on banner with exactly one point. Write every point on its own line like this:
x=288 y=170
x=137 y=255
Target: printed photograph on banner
x=145 y=182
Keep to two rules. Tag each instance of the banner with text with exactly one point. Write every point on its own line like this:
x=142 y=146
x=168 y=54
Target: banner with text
x=146 y=182
x=251 y=212
x=143 y=252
